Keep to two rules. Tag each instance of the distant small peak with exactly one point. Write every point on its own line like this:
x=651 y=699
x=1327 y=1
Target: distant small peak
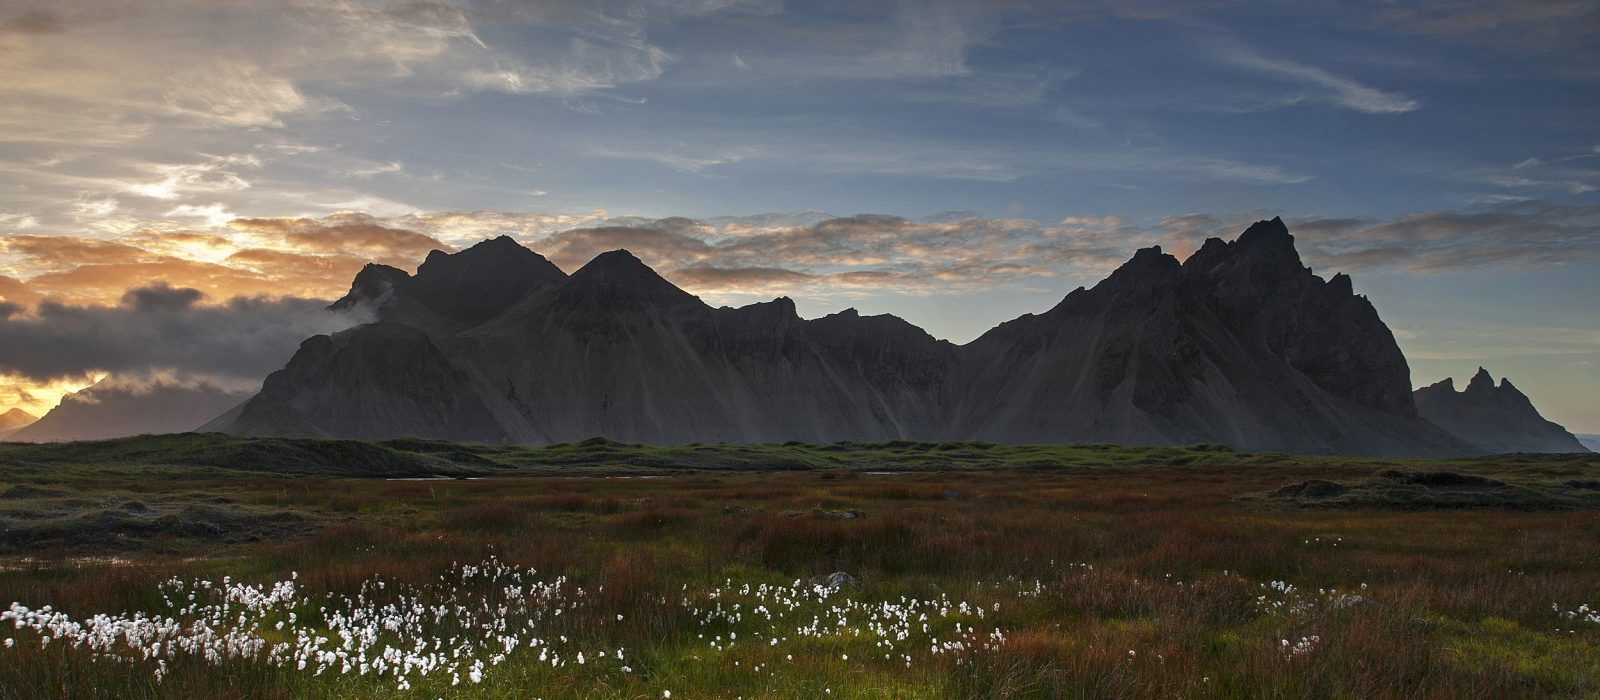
x=1481 y=381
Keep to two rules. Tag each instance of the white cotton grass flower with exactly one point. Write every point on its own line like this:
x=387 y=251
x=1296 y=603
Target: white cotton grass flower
x=407 y=633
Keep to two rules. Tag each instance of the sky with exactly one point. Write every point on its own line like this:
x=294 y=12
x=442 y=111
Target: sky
x=185 y=183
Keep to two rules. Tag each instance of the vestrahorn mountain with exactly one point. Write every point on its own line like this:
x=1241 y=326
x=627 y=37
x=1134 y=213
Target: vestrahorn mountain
x=1240 y=344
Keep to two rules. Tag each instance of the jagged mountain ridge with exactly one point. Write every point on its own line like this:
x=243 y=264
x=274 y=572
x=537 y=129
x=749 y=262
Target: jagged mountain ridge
x=1240 y=344
x=1496 y=419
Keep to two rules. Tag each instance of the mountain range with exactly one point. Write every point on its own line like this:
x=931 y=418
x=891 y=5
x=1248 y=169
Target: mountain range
x=111 y=408
x=1495 y=419
x=1239 y=344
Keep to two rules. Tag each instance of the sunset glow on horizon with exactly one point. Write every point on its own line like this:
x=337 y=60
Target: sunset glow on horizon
x=955 y=164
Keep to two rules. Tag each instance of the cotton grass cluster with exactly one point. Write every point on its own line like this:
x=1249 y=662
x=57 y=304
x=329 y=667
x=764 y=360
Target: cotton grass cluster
x=475 y=617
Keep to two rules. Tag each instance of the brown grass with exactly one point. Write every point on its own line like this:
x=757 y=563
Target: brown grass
x=1165 y=562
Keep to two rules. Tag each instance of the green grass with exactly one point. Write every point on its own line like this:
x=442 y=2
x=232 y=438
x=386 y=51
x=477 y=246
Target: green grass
x=1090 y=551
x=185 y=455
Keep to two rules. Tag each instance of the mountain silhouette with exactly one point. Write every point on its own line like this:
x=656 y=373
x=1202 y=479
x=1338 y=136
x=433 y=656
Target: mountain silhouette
x=13 y=420
x=1496 y=419
x=1240 y=344
x=112 y=408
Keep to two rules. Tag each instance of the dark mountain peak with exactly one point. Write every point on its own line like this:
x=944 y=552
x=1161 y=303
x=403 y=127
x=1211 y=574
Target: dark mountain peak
x=618 y=275
x=1342 y=284
x=779 y=310
x=483 y=280
x=501 y=241
x=1446 y=384
x=500 y=255
x=1264 y=247
x=375 y=271
x=887 y=330
x=619 y=261
x=854 y=317
x=1147 y=266
x=1151 y=258
x=1481 y=382
x=781 y=307
x=373 y=284
x=1274 y=232
x=1269 y=243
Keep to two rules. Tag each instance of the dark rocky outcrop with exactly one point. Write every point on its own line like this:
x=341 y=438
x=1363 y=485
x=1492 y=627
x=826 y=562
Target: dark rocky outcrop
x=453 y=291
x=1238 y=345
x=1495 y=419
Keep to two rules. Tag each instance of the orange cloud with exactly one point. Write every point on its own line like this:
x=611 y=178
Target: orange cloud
x=344 y=234
x=64 y=251
x=15 y=291
x=106 y=283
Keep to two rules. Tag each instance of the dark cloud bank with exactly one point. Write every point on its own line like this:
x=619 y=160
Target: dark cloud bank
x=161 y=327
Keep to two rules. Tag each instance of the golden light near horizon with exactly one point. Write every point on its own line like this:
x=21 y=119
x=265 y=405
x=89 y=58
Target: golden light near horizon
x=925 y=158
x=818 y=349
x=38 y=398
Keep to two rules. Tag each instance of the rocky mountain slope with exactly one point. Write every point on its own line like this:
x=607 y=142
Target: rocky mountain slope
x=110 y=409
x=1240 y=344
x=1496 y=419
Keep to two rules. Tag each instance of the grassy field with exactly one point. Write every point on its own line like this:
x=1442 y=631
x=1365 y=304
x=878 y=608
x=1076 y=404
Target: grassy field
x=204 y=566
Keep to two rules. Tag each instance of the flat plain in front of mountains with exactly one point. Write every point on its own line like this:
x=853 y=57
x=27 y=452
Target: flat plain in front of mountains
x=193 y=566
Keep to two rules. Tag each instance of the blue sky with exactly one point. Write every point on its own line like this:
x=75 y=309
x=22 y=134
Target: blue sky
x=1446 y=154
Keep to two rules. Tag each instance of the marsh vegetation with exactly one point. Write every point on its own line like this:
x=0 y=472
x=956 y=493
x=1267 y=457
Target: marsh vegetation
x=983 y=571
